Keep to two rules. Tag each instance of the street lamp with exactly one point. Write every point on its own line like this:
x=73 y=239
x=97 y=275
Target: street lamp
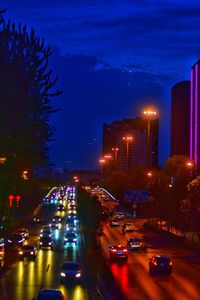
x=115 y=150
x=128 y=139
x=149 y=114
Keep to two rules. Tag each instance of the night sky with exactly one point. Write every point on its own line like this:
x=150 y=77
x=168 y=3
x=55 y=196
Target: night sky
x=112 y=57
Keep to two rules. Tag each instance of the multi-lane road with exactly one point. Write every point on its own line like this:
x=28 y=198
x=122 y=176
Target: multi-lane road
x=22 y=280
x=133 y=277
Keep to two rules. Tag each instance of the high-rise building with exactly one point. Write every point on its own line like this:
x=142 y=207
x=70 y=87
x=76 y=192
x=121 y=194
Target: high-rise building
x=130 y=136
x=195 y=115
x=180 y=119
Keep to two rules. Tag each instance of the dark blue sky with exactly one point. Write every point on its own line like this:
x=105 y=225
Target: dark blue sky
x=112 y=58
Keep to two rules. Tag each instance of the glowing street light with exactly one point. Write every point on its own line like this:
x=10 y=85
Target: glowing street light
x=128 y=139
x=149 y=114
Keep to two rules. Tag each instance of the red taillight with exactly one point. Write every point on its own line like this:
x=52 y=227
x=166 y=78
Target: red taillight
x=155 y=263
x=124 y=250
x=114 y=250
x=170 y=263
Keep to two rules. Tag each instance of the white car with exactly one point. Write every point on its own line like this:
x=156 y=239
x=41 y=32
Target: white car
x=114 y=223
x=129 y=227
x=135 y=244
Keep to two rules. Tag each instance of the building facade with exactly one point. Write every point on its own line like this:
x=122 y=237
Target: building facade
x=132 y=152
x=195 y=115
x=180 y=119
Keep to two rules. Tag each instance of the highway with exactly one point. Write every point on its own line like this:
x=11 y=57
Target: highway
x=23 y=279
x=133 y=277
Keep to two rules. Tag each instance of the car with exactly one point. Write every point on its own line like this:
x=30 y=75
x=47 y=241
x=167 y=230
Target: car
x=50 y=294
x=24 y=232
x=44 y=227
x=118 y=252
x=120 y=216
x=72 y=216
x=160 y=265
x=70 y=237
x=70 y=271
x=28 y=251
x=54 y=225
x=72 y=206
x=57 y=218
x=46 y=242
x=128 y=227
x=134 y=243
x=15 y=240
x=70 y=221
x=70 y=227
x=46 y=232
x=114 y=222
x=38 y=220
x=60 y=207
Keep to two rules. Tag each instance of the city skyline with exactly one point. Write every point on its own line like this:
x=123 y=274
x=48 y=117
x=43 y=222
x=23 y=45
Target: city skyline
x=123 y=59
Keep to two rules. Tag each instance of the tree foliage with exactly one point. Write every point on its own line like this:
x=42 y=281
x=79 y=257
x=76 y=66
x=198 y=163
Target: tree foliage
x=26 y=92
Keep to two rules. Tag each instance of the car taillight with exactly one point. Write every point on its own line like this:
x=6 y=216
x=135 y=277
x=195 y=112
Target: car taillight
x=124 y=250
x=114 y=250
x=170 y=263
x=155 y=263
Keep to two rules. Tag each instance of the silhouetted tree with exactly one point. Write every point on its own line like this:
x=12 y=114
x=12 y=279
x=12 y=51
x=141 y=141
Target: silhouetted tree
x=25 y=100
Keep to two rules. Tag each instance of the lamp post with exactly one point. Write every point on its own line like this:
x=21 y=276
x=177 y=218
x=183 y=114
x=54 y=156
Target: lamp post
x=149 y=114
x=115 y=150
x=128 y=139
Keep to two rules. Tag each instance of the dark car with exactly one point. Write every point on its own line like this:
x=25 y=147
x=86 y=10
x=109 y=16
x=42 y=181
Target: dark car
x=46 y=242
x=70 y=237
x=60 y=207
x=135 y=244
x=160 y=265
x=70 y=221
x=70 y=271
x=50 y=295
x=15 y=240
x=72 y=216
x=24 y=232
x=118 y=252
x=71 y=227
x=57 y=219
x=54 y=225
x=28 y=251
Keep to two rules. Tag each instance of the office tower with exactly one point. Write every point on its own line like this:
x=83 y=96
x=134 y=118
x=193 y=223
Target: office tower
x=131 y=138
x=180 y=119
x=194 y=115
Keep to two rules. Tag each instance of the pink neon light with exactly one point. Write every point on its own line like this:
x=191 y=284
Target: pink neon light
x=191 y=117
x=196 y=117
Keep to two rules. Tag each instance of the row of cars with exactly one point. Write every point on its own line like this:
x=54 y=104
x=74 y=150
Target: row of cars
x=70 y=270
x=158 y=264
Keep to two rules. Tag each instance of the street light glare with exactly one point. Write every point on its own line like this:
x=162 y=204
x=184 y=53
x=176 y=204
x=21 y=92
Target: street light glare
x=127 y=138
x=150 y=112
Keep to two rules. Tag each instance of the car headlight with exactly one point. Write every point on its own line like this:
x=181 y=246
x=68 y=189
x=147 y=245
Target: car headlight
x=78 y=275
x=40 y=243
x=74 y=240
x=49 y=235
x=20 y=252
x=66 y=239
x=20 y=241
x=41 y=235
x=49 y=243
x=9 y=241
x=32 y=252
x=62 y=274
x=67 y=229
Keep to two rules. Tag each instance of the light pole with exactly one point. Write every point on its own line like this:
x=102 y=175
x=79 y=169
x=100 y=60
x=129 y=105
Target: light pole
x=115 y=150
x=149 y=114
x=128 y=139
